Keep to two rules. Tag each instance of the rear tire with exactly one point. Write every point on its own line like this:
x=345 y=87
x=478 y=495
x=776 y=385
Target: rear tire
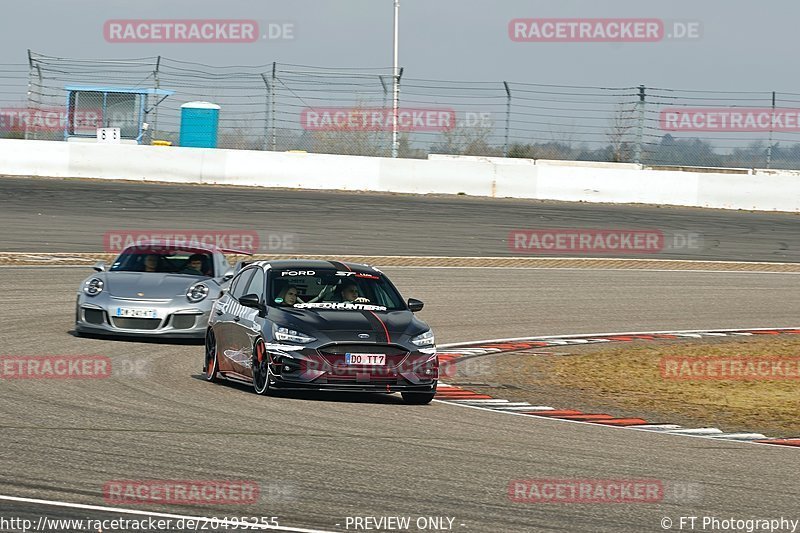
x=261 y=369
x=418 y=398
x=210 y=366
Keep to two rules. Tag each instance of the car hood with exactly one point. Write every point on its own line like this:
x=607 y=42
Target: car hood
x=341 y=325
x=149 y=285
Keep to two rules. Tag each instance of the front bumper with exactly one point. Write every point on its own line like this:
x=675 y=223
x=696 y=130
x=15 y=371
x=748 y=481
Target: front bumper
x=179 y=323
x=324 y=368
x=350 y=387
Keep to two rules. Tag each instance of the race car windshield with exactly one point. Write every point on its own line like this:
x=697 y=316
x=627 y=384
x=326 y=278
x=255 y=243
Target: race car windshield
x=333 y=290
x=185 y=262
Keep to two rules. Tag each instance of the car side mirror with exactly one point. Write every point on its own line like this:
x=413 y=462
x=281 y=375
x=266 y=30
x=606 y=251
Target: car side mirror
x=100 y=266
x=228 y=275
x=415 y=305
x=253 y=301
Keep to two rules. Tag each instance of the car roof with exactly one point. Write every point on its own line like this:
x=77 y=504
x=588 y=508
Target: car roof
x=191 y=246
x=316 y=264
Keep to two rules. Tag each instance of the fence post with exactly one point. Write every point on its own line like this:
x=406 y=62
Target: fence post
x=266 y=112
x=30 y=92
x=637 y=157
x=384 y=108
x=508 y=118
x=771 y=122
x=274 y=141
x=395 y=108
x=154 y=130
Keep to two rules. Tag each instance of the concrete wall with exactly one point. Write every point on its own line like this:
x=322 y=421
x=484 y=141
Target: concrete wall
x=479 y=176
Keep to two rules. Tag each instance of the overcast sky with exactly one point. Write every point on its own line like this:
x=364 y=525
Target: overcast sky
x=745 y=45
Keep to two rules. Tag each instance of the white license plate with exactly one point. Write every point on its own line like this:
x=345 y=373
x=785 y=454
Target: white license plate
x=369 y=359
x=134 y=312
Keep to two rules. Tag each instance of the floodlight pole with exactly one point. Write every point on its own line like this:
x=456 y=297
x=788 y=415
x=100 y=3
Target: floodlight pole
x=395 y=78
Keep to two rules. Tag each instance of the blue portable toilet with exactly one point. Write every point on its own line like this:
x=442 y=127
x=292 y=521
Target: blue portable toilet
x=199 y=124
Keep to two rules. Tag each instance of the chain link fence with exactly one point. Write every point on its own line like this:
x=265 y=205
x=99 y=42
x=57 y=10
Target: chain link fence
x=281 y=107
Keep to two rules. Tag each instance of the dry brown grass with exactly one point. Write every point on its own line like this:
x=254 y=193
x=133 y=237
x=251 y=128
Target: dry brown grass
x=625 y=380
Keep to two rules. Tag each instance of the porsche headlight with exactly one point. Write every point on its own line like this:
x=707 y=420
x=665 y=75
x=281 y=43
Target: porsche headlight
x=424 y=339
x=93 y=287
x=197 y=293
x=289 y=335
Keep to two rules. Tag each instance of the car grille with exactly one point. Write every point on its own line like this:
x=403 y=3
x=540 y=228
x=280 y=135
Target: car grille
x=334 y=355
x=94 y=316
x=341 y=349
x=136 y=323
x=183 y=321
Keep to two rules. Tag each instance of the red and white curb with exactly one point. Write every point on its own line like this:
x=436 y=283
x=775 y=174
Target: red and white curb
x=454 y=353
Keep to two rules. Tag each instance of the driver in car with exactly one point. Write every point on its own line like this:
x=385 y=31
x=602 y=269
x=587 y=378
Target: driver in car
x=151 y=263
x=348 y=292
x=288 y=296
x=194 y=265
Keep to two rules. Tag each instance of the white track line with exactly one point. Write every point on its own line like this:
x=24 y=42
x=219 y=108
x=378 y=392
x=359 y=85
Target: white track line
x=527 y=408
x=697 y=431
x=509 y=405
x=645 y=429
x=742 y=436
x=55 y=503
x=479 y=402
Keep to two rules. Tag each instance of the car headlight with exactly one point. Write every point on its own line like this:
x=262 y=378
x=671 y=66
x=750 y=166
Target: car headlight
x=93 y=287
x=285 y=334
x=424 y=339
x=197 y=293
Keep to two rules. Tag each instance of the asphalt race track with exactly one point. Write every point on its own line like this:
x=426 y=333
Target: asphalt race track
x=72 y=215
x=321 y=458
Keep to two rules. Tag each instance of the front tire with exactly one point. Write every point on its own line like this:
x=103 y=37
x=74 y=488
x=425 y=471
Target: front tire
x=418 y=398
x=261 y=369
x=210 y=365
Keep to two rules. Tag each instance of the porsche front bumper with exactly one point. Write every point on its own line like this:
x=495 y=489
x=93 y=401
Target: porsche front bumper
x=174 y=322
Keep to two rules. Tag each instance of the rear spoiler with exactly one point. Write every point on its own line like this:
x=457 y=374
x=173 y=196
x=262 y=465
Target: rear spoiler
x=235 y=251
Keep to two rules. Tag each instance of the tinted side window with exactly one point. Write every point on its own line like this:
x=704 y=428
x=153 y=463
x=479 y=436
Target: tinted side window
x=240 y=283
x=256 y=285
x=381 y=298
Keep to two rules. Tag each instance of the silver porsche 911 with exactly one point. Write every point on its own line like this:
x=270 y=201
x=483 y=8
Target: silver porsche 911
x=154 y=290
